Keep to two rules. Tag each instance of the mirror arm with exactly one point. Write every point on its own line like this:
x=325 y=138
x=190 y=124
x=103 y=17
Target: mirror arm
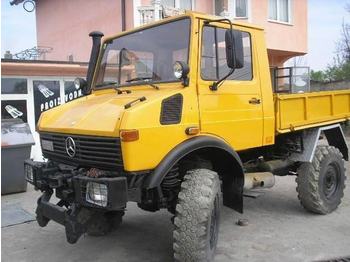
x=185 y=81
x=215 y=85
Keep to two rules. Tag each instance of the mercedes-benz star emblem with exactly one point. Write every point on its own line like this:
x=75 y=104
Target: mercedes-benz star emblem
x=70 y=147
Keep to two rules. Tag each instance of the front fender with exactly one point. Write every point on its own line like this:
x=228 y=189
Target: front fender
x=232 y=174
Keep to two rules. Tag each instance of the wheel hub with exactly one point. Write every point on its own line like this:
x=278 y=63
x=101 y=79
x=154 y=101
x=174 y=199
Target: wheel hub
x=331 y=181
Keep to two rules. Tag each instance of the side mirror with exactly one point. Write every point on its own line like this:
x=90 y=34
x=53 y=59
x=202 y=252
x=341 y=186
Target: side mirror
x=234 y=49
x=80 y=83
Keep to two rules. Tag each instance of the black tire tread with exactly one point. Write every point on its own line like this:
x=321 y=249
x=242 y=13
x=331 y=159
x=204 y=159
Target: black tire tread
x=308 y=179
x=195 y=203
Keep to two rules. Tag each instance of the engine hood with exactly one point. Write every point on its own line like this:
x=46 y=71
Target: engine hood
x=98 y=114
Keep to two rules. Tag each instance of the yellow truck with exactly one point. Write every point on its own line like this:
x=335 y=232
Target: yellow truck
x=181 y=114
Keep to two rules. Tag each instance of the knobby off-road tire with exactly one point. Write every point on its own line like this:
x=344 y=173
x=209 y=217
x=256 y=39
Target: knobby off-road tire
x=197 y=216
x=104 y=223
x=320 y=184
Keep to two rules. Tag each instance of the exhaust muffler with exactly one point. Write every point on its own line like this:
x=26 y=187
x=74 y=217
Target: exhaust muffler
x=258 y=180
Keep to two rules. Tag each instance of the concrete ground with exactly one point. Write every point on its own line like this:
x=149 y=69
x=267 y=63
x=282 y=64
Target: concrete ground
x=279 y=230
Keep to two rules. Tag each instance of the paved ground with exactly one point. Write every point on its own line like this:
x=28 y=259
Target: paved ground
x=279 y=230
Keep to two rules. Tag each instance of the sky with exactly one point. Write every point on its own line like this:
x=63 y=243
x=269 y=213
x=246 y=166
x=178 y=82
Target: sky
x=325 y=21
x=325 y=18
x=18 y=30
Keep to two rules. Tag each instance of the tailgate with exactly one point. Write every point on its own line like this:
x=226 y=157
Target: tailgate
x=299 y=111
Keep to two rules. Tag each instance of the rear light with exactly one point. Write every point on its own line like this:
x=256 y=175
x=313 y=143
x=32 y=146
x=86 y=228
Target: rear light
x=129 y=135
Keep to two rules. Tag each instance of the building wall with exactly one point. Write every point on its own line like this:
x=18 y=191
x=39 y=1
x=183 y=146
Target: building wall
x=66 y=28
x=205 y=6
x=283 y=40
x=65 y=25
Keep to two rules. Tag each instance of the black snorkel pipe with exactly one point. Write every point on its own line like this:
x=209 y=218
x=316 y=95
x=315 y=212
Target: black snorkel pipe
x=95 y=50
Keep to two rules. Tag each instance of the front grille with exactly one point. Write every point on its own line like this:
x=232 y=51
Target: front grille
x=91 y=151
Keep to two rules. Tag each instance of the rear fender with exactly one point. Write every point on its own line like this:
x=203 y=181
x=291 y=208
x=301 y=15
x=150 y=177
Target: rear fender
x=334 y=135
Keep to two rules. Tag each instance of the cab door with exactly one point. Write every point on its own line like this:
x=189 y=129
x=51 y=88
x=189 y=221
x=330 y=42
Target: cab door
x=234 y=112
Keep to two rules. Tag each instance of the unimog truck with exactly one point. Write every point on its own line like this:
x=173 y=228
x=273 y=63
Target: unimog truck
x=181 y=114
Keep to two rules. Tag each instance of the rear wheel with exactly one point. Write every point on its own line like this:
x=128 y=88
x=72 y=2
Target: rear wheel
x=320 y=184
x=197 y=216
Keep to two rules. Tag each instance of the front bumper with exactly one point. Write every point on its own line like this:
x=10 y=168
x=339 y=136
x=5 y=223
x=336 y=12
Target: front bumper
x=71 y=185
x=74 y=210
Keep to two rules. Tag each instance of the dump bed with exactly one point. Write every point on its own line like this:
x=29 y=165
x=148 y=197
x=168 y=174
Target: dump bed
x=300 y=111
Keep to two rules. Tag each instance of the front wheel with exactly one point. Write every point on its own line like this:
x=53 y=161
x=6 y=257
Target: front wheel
x=320 y=184
x=197 y=216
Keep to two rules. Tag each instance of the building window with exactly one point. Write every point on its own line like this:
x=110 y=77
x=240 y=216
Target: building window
x=185 y=4
x=280 y=10
x=241 y=8
x=213 y=62
x=182 y=4
x=235 y=8
x=219 y=7
x=14 y=86
x=14 y=109
x=71 y=92
x=170 y=3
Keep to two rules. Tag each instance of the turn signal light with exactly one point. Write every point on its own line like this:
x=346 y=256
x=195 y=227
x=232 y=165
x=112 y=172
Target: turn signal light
x=129 y=135
x=194 y=130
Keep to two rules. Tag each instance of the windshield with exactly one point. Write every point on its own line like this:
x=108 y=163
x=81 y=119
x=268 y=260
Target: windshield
x=146 y=55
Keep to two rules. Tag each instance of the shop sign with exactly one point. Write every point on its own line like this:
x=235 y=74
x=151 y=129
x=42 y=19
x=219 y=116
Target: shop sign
x=46 y=96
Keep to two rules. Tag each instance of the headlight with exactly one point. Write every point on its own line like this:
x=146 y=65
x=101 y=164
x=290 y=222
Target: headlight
x=80 y=83
x=77 y=83
x=177 y=70
x=96 y=193
x=181 y=70
x=29 y=173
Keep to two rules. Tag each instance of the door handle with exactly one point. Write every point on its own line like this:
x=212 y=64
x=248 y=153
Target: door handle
x=254 y=101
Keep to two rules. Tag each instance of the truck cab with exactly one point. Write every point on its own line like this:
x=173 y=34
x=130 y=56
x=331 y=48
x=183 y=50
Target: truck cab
x=178 y=114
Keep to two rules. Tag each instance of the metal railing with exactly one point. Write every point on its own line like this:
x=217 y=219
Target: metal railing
x=290 y=79
x=156 y=11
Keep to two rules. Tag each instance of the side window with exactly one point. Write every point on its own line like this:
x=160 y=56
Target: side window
x=208 y=63
x=213 y=63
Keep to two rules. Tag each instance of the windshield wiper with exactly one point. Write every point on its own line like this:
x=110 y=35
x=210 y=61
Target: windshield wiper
x=115 y=86
x=138 y=79
x=143 y=80
x=110 y=83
